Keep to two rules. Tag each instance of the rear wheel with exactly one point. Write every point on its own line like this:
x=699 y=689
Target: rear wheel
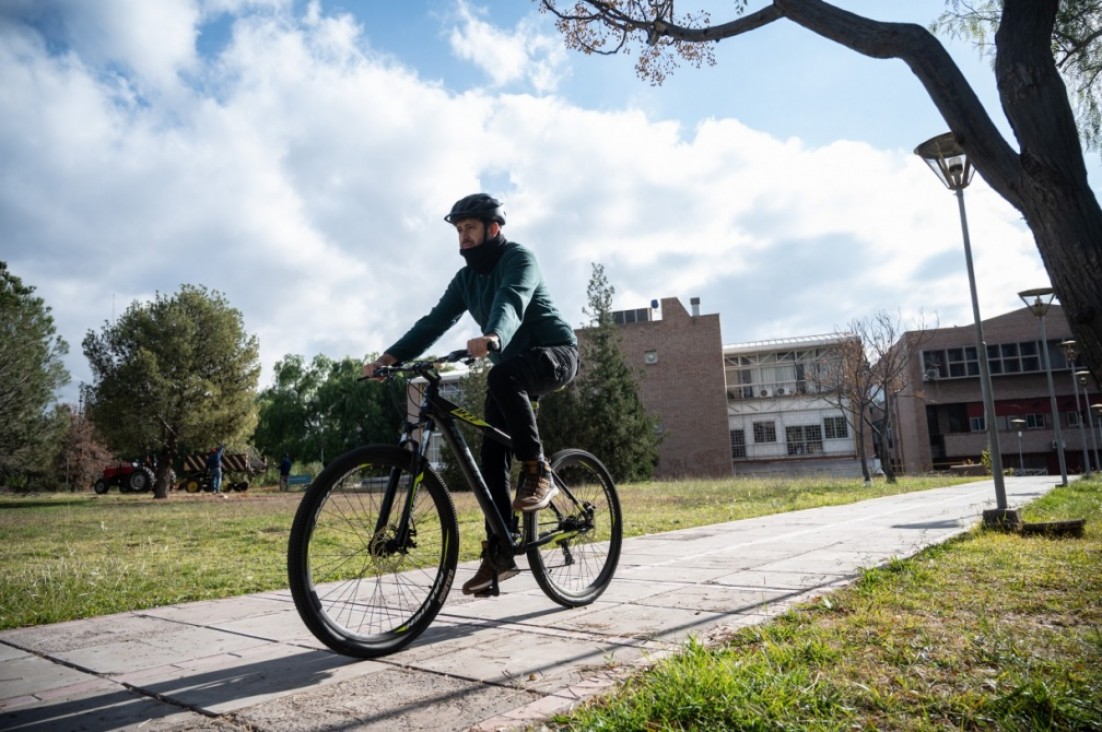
x=363 y=590
x=583 y=527
x=140 y=480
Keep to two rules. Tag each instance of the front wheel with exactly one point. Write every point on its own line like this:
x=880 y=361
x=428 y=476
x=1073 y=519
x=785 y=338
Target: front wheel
x=363 y=586
x=579 y=533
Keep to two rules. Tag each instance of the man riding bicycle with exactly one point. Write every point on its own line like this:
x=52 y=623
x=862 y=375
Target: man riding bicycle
x=534 y=351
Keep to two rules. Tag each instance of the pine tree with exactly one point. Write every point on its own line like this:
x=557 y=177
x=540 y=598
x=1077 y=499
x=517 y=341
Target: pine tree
x=602 y=412
x=30 y=371
x=177 y=372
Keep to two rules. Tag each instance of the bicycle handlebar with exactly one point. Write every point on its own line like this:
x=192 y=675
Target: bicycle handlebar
x=419 y=367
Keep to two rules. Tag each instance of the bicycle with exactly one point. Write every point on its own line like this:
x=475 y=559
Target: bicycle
x=374 y=545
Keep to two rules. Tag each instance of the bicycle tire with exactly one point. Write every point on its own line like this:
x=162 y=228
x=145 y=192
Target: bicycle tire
x=357 y=601
x=576 y=568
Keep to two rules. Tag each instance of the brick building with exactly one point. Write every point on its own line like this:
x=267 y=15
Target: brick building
x=940 y=414
x=743 y=408
x=679 y=361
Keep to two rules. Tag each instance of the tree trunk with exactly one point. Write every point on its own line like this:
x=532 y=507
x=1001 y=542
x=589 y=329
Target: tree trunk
x=1047 y=180
x=861 y=453
x=885 y=440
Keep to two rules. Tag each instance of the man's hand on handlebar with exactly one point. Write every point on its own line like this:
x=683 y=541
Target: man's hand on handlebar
x=479 y=347
x=369 y=369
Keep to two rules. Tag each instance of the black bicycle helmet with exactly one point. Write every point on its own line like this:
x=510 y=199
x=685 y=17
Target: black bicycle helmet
x=481 y=206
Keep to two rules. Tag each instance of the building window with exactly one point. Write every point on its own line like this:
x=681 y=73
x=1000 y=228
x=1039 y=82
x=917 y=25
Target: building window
x=804 y=439
x=835 y=428
x=1035 y=421
x=1072 y=418
x=738 y=444
x=1022 y=357
x=977 y=424
x=765 y=432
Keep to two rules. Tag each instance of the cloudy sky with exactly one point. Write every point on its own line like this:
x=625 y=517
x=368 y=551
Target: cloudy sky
x=298 y=157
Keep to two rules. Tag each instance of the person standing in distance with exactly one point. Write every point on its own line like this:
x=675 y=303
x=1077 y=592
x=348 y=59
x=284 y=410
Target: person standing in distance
x=533 y=350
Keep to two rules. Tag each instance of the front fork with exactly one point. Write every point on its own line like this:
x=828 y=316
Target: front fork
x=400 y=536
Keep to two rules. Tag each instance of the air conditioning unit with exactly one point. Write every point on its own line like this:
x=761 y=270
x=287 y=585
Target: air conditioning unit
x=931 y=375
x=765 y=392
x=780 y=391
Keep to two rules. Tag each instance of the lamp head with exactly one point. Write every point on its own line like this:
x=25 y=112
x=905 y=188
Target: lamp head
x=946 y=158
x=1038 y=300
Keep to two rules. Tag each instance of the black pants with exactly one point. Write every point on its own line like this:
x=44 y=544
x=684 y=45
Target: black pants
x=511 y=387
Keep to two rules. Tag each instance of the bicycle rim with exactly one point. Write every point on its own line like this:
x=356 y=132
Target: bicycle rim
x=576 y=566
x=360 y=591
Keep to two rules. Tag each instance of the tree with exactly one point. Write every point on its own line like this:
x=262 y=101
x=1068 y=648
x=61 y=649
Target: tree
x=891 y=354
x=31 y=370
x=83 y=456
x=863 y=374
x=843 y=378
x=1036 y=44
x=601 y=412
x=177 y=373
x=316 y=411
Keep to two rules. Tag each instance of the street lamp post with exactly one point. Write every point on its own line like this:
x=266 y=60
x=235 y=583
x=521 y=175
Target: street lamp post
x=1097 y=408
x=1038 y=301
x=1019 y=423
x=953 y=168
x=1070 y=354
x=1082 y=377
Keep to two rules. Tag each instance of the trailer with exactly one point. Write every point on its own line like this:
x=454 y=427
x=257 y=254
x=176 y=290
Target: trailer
x=237 y=469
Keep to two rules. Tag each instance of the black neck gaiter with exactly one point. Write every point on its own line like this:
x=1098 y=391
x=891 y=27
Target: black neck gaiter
x=483 y=258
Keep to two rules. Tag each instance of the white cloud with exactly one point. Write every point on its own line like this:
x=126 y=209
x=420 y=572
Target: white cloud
x=306 y=178
x=522 y=54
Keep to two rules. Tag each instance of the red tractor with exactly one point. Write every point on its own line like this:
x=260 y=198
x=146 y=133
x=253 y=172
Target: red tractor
x=128 y=477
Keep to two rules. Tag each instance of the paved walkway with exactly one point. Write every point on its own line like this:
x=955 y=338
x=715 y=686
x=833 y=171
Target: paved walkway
x=248 y=663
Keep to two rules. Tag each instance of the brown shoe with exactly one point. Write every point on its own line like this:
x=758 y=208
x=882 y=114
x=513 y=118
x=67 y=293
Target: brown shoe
x=484 y=578
x=536 y=488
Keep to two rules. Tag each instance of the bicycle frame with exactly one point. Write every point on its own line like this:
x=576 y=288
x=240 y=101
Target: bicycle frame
x=437 y=413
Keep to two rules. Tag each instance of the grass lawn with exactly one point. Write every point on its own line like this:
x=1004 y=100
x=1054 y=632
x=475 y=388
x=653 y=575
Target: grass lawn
x=69 y=556
x=990 y=631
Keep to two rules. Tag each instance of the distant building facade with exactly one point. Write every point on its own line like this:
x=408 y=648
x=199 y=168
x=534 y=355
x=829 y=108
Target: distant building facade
x=940 y=414
x=738 y=409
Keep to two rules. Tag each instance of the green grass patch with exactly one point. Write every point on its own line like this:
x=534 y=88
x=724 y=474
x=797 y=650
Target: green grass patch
x=990 y=631
x=70 y=556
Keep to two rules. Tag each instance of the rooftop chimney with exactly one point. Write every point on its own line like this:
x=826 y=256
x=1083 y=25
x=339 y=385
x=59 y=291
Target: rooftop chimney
x=695 y=303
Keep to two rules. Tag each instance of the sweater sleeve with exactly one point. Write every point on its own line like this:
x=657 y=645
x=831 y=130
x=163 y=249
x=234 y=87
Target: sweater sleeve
x=428 y=329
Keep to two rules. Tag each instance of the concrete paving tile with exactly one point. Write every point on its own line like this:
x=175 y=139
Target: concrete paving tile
x=674 y=572
x=777 y=580
x=102 y=710
x=835 y=562
x=216 y=612
x=29 y=675
x=392 y=699
x=626 y=589
x=716 y=599
x=636 y=621
x=165 y=643
x=228 y=682
x=525 y=659
x=76 y=634
x=10 y=653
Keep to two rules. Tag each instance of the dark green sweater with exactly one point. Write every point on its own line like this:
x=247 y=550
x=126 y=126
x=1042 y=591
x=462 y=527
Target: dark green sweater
x=511 y=301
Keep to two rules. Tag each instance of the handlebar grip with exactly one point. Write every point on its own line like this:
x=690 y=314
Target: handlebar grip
x=493 y=345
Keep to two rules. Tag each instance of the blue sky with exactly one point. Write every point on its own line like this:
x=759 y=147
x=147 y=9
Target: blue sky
x=298 y=157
